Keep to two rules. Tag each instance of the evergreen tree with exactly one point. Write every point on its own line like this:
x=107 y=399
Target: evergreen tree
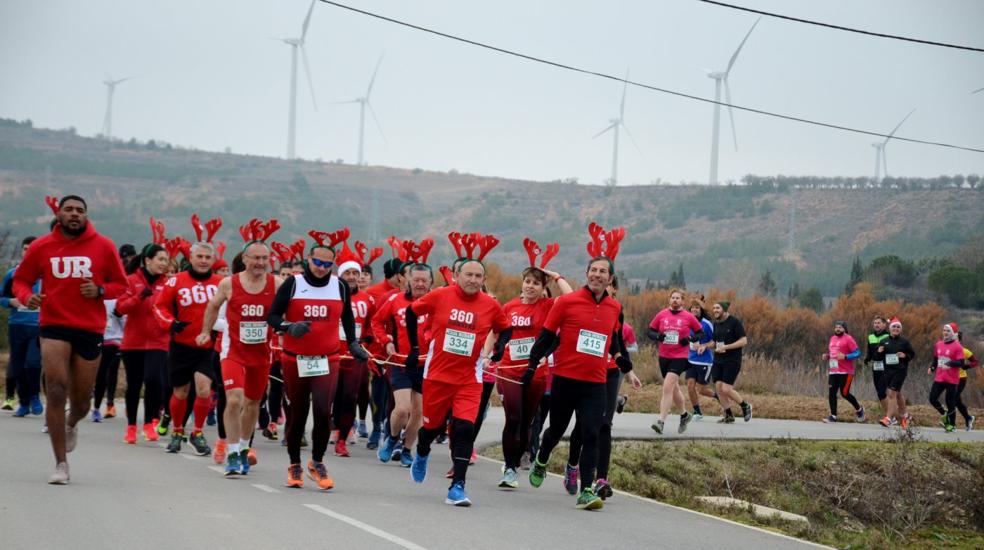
x=767 y=285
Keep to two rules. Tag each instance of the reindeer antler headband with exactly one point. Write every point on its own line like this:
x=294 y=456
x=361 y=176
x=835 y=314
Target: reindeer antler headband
x=604 y=244
x=533 y=250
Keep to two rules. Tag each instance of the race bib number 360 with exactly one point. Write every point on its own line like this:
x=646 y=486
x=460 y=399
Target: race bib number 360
x=519 y=349
x=253 y=332
x=459 y=343
x=592 y=343
x=312 y=365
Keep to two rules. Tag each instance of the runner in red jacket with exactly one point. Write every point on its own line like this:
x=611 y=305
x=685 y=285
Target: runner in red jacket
x=78 y=269
x=180 y=308
x=462 y=317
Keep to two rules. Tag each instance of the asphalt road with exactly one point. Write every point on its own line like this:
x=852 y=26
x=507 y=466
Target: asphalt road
x=137 y=496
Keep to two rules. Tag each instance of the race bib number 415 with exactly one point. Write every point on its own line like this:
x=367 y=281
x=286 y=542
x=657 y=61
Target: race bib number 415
x=459 y=343
x=592 y=343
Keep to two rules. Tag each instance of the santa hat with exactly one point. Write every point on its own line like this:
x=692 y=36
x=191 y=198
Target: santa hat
x=893 y=322
x=533 y=250
x=347 y=259
x=219 y=264
x=953 y=327
x=602 y=243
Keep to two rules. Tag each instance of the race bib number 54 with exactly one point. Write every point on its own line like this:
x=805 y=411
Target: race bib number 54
x=312 y=365
x=592 y=343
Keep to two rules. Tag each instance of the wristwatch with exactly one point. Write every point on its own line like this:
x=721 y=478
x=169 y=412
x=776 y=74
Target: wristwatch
x=100 y=292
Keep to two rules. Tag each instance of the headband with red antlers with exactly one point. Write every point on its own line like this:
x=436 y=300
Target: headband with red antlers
x=396 y=245
x=447 y=274
x=281 y=252
x=256 y=231
x=297 y=248
x=52 y=203
x=466 y=245
x=157 y=230
x=211 y=226
x=177 y=245
x=220 y=248
x=418 y=253
x=328 y=240
x=533 y=250
x=604 y=244
x=374 y=254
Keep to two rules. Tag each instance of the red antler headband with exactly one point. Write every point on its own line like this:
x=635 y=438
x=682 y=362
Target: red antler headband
x=282 y=252
x=374 y=254
x=472 y=241
x=396 y=245
x=255 y=231
x=52 y=203
x=298 y=247
x=533 y=250
x=211 y=227
x=455 y=238
x=157 y=230
x=328 y=240
x=418 y=253
x=447 y=274
x=604 y=244
x=177 y=246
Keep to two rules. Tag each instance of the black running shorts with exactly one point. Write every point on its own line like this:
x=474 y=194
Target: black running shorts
x=85 y=344
x=184 y=361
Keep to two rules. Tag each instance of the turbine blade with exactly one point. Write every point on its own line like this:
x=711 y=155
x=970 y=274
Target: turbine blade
x=632 y=139
x=731 y=113
x=625 y=87
x=373 y=79
x=899 y=125
x=603 y=131
x=307 y=72
x=343 y=102
x=734 y=56
x=307 y=21
x=884 y=156
x=376 y=120
x=977 y=90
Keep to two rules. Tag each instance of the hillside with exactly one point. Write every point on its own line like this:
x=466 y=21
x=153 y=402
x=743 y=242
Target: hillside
x=726 y=235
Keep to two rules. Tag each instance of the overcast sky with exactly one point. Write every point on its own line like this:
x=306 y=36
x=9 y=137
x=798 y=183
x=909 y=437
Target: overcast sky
x=206 y=74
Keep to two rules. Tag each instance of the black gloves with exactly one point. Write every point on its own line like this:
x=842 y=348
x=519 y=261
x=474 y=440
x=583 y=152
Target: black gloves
x=147 y=292
x=358 y=352
x=178 y=326
x=298 y=329
x=527 y=376
x=497 y=355
x=624 y=364
x=684 y=341
x=413 y=358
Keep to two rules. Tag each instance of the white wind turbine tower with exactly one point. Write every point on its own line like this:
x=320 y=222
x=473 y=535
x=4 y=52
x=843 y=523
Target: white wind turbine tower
x=881 y=160
x=721 y=77
x=615 y=124
x=295 y=44
x=363 y=104
x=107 y=129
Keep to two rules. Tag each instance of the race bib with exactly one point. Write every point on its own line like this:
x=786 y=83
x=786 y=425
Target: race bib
x=253 y=332
x=592 y=343
x=878 y=365
x=719 y=346
x=891 y=359
x=693 y=346
x=312 y=365
x=671 y=337
x=833 y=364
x=943 y=362
x=459 y=343
x=358 y=332
x=520 y=348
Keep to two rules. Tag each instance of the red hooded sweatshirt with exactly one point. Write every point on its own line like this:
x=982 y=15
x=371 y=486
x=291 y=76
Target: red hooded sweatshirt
x=63 y=264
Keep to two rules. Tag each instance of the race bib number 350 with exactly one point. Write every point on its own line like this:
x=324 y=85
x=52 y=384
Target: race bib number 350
x=312 y=365
x=459 y=343
x=592 y=343
x=253 y=332
x=519 y=349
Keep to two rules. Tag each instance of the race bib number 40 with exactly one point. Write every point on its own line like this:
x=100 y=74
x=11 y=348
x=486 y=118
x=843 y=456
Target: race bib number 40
x=592 y=343
x=312 y=365
x=519 y=349
x=459 y=343
x=253 y=332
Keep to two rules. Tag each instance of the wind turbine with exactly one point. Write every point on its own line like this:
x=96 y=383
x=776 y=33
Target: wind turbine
x=107 y=129
x=295 y=44
x=363 y=103
x=721 y=77
x=881 y=160
x=615 y=124
x=977 y=91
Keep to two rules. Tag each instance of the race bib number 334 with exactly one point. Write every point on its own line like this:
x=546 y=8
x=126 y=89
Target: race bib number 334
x=459 y=343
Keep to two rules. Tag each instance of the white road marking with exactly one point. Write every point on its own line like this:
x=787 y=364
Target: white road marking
x=218 y=469
x=265 y=488
x=189 y=457
x=403 y=543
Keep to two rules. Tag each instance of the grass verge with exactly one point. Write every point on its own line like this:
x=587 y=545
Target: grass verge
x=856 y=494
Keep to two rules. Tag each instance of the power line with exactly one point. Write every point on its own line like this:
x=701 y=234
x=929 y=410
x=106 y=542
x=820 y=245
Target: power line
x=645 y=86
x=841 y=28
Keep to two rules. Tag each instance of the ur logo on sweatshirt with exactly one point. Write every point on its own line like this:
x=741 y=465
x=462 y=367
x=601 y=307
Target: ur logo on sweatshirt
x=75 y=267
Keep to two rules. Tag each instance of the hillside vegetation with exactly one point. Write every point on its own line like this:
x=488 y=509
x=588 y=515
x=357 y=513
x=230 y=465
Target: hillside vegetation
x=726 y=236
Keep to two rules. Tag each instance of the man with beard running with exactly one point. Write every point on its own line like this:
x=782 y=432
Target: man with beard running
x=78 y=269
x=180 y=308
x=897 y=353
x=245 y=354
x=728 y=342
x=842 y=350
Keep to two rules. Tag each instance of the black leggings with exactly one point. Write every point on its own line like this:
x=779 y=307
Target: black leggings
x=520 y=404
x=462 y=435
x=951 y=400
x=612 y=382
x=219 y=387
x=363 y=402
x=543 y=411
x=840 y=383
x=961 y=406
x=108 y=376
x=302 y=393
x=143 y=368
x=483 y=407
x=347 y=397
x=273 y=401
x=379 y=400
x=588 y=400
